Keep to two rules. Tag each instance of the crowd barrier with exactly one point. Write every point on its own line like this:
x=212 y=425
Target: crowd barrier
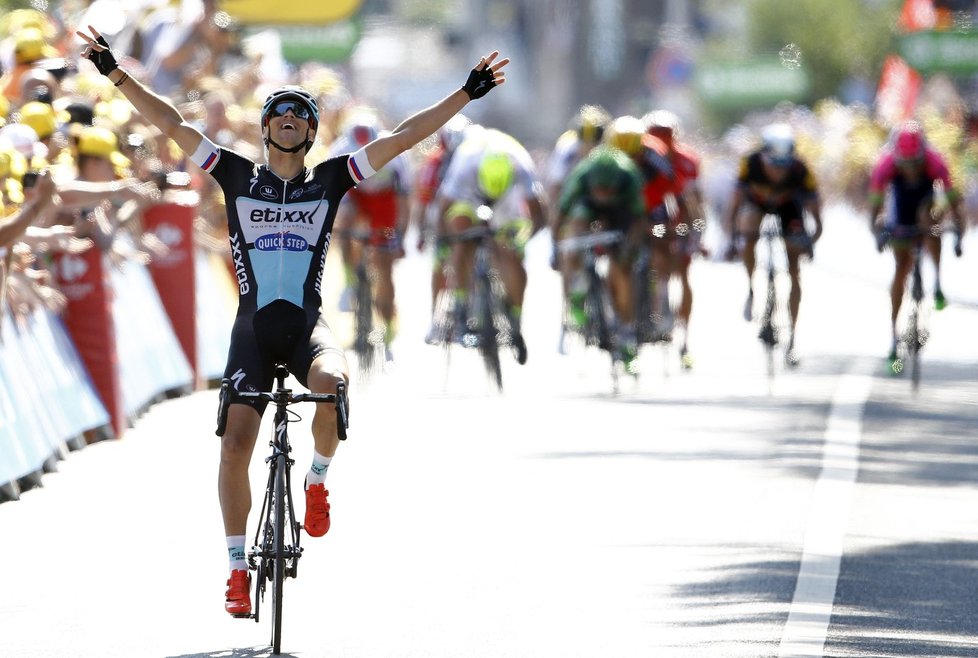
x=130 y=335
x=47 y=400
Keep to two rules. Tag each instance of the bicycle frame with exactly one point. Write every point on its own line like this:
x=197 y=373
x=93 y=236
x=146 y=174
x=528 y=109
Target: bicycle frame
x=490 y=323
x=276 y=550
x=368 y=339
x=915 y=334
x=599 y=330
x=770 y=319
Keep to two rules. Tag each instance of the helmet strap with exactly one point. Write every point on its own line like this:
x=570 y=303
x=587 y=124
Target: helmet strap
x=294 y=149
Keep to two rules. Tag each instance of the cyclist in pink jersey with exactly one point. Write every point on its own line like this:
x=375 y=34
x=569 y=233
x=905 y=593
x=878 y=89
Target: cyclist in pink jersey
x=910 y=170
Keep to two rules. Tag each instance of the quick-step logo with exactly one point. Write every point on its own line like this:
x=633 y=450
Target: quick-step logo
x=281 y=241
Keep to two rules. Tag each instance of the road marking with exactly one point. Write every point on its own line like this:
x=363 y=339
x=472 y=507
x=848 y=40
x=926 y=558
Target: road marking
x=811 y=607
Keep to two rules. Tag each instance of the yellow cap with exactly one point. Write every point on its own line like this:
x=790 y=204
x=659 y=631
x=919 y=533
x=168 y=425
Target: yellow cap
x=29 y=46
x=40 y=117
x=97 y=142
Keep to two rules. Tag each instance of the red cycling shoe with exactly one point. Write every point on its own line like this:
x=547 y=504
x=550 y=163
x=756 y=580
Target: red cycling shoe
x=316 y=521
x=238 y=595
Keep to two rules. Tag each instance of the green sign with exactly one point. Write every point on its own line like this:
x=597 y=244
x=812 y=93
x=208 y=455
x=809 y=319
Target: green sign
x=948 y=52
x=331 y=43
x=750 y=83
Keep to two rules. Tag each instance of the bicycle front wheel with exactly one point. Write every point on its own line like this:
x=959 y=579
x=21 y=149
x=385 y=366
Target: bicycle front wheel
x=280 y=513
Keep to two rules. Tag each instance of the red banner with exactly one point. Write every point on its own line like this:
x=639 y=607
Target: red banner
x=88 y=318
x=174 y=274
x=917 y=15
x=898 y=91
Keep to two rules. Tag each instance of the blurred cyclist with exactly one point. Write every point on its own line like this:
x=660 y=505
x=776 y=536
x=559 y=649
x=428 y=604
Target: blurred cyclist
x=491 y=168
x=379 y=205
x=675 y=211
x=602 y=193
x=774 y=181
x=280 y=218
x=585 y=132
x=910 y=169
x=428 y=212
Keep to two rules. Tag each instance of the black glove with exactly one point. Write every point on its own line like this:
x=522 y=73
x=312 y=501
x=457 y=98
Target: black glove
x=103 y=60
x=479 y=83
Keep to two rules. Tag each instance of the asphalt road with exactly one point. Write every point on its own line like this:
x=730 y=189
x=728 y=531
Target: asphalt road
x=717 y=512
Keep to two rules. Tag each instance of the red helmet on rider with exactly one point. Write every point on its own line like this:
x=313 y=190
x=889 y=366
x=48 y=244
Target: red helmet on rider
x=908 y=142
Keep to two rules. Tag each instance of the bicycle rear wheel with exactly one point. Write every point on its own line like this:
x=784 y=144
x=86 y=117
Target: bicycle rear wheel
x=363 y=340
x=642 y=291
x=913 y=344
x=488 y=336
x=279 y=512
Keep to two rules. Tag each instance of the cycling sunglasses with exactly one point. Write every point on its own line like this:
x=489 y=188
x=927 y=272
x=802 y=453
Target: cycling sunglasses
x=299 y=110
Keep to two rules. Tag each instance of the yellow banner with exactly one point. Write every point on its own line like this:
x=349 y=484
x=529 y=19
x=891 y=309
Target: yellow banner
x=308 y=13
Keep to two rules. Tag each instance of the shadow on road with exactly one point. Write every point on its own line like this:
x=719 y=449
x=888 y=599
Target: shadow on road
x=910 y=599
x=252 y=652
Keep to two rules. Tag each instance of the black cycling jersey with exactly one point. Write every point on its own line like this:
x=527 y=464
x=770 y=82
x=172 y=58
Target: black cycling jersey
x=279 y=232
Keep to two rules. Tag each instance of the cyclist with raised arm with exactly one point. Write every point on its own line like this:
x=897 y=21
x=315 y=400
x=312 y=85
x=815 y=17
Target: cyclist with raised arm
x=602 y=193
x=280 y=217
x=910 y=169
x=491 y=168
x=773 y=180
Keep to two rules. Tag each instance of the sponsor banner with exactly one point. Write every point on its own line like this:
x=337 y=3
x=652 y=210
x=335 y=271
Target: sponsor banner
x=88 y=319
x=174 y=275
x=150 y=361
x=937 y=51
x=46 y=397
x=217 y=301
x=299 y=13
x=23 y=449
x=750 y=83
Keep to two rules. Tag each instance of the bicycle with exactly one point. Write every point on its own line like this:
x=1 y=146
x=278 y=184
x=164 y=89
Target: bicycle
x=486 y=323
x=276 y=550
x=915 y=333
x=775 y=318
x=599 y=328
x=368 y=339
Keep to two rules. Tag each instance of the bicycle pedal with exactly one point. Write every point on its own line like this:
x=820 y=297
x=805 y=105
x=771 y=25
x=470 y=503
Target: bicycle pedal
x=244 y=616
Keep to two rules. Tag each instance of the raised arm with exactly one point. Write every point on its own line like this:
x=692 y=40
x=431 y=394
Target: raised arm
x=14 y=226
x=154 y=108
x=415 y=128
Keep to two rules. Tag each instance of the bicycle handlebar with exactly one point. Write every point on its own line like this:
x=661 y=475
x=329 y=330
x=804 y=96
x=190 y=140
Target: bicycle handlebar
x=283 y=397
x=589 y=241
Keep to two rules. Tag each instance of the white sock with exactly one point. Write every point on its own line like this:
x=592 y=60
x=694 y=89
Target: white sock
x=236 y=552
x=317 y=473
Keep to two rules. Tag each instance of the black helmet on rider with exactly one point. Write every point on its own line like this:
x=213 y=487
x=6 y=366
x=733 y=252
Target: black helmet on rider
x=590 y=123
x=302 y=104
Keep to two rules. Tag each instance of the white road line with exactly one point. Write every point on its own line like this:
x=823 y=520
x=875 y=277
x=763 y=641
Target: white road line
x=811 y=607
